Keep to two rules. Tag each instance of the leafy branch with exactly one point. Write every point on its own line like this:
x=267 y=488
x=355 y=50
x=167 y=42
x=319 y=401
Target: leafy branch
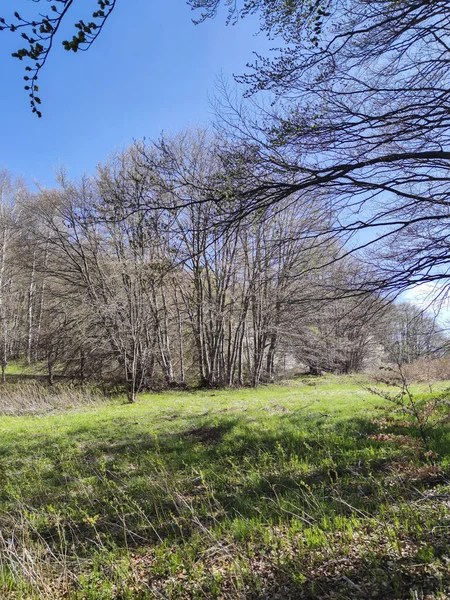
x=40 y=33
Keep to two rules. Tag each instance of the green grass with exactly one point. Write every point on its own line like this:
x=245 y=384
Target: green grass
x=21 y=368
x=271 y=493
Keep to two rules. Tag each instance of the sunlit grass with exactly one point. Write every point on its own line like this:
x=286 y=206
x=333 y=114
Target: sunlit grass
x=271 y=493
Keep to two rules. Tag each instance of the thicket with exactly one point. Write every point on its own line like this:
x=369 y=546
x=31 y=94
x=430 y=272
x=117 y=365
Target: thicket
x=134 y=275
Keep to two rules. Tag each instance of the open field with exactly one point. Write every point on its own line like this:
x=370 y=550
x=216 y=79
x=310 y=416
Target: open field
x=262 y=494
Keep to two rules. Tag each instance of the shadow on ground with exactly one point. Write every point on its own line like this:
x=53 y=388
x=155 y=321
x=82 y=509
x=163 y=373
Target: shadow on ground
x=322 y=484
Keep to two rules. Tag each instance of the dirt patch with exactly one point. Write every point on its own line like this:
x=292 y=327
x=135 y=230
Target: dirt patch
x=205 y=435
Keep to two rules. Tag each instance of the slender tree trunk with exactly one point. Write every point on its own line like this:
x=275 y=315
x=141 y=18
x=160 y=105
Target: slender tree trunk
x=50 y=371
x=31 y=309
x=41 y=306
x=271 y=357
x=180 y=338
x=3 y=316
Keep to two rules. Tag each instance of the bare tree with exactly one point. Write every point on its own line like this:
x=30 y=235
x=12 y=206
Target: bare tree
x=410 y=333
x=360 y=91
x=10 y=190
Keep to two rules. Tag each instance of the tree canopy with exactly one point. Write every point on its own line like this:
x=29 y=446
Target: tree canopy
x=358 y=114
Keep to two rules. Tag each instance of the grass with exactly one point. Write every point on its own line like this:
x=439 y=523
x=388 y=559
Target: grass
x=20 y=367
x=30 y=397
x=272 y=493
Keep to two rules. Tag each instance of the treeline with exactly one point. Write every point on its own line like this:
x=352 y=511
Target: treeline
x=137 y=275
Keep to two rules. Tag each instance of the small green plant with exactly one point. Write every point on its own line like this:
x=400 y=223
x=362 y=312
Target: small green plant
x=408 y=419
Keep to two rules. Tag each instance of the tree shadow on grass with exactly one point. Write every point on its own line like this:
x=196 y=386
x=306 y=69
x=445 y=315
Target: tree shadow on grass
x=353 y=576
x=129 y=487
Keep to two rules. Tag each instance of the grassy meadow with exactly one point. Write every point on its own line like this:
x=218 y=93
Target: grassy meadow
x=274 y=493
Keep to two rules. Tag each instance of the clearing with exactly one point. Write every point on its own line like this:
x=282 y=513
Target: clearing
x=274 y=493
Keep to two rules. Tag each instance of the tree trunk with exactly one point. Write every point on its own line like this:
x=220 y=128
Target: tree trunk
x=50 y=376
x=270 y=371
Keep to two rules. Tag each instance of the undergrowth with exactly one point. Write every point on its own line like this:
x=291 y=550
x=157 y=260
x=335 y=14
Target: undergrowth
x=36 y=397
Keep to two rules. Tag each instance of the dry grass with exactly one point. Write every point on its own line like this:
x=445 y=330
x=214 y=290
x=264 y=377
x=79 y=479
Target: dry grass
x=36 y=398
x=428 y=370
x=424 y=370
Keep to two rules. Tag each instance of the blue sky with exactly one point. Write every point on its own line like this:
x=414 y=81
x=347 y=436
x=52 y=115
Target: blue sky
x=431 y=297
x=150 y=70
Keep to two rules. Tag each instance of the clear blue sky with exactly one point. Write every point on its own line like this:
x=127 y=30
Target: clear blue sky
x=150 y=70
